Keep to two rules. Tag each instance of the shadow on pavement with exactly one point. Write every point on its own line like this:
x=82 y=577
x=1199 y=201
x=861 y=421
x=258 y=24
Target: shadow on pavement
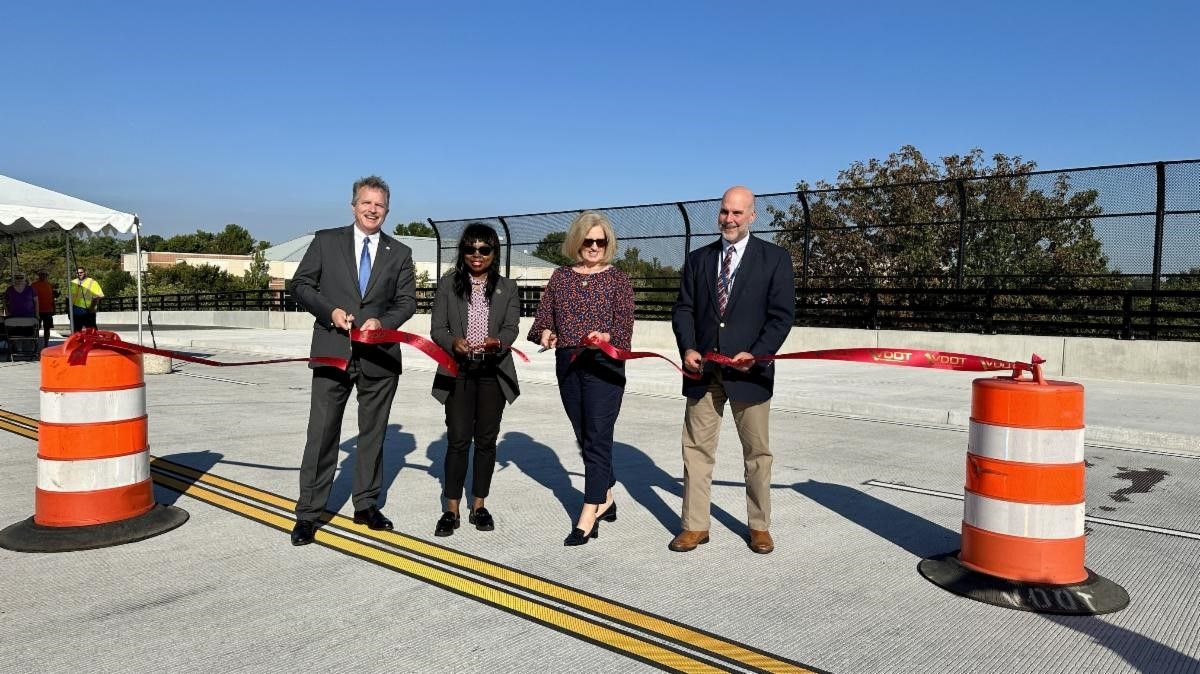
x=640 y=476
x=915 y=534
x=396 y=447
x=201 y=461
x=541 y=463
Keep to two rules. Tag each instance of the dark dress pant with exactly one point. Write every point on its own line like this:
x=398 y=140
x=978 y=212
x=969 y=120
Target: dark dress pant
x=591 y=388
x=473 y=412
x=330 y=391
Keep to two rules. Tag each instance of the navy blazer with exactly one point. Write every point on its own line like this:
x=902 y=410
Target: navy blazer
x=327 y=278
x=757 y=318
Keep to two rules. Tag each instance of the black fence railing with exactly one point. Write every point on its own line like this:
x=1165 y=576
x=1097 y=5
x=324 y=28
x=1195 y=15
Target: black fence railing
x=1057 y=251
x=1120 y=313
x=1107 y=251
x=240 y=300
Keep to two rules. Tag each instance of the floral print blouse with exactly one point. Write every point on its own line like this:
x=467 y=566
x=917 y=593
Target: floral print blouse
x=574 y=304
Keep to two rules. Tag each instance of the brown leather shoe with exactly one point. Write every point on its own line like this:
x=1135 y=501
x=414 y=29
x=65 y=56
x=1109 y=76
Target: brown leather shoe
x=687 y=541
x=760 y=541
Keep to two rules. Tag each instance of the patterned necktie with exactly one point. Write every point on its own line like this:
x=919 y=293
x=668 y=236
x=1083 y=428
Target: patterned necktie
x=364 y=267
x=723 y=286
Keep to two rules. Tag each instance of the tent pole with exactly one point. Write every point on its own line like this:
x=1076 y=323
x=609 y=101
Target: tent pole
x=137 y=247
x=67 y=287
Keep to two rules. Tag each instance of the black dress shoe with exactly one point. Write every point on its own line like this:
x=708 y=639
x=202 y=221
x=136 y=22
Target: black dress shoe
x=482 y=519
x=373 y=519
x=447 y=524
x=303 y=532
x=579 y=537
x=610 y=515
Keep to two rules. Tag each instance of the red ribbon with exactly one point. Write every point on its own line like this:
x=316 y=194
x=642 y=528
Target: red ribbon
x=941 y=360
x=621 y=354
x=481 y=347
x=80 y=344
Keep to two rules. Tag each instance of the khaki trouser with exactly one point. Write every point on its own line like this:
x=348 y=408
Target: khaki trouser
x=701 y=430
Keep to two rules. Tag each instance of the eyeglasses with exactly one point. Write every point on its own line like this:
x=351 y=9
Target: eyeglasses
x=599 y=243
x=482 y=250
x=80 y=271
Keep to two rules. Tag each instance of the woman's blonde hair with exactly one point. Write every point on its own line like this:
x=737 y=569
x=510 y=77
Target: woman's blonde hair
x=578 y=230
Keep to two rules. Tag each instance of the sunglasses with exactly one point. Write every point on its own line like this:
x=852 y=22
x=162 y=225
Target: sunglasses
x=599 y=243
x=482 y=250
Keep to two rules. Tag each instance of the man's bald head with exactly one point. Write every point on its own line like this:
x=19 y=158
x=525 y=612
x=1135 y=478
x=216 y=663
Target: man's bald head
x=736 y=214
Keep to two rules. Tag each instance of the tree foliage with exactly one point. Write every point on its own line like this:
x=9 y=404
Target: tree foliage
x=550 y=249
x=414 y=228
x=896 y=221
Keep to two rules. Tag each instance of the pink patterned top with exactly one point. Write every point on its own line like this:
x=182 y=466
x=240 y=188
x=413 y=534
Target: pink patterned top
x=477 y=313
x=574 y=304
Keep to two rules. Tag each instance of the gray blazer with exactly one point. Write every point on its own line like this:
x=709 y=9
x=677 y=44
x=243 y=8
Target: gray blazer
x=327 y=278
x=449 y=320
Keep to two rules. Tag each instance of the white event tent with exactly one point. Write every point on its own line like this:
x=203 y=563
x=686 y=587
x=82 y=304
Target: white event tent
x=28 y=210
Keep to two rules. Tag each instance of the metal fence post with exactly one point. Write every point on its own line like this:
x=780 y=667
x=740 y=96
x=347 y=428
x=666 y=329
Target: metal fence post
x=507 y=249
x=1127 y=316
x=1160 y=207
x=437 y=237
x=687 y=229
x=807 y=238
x=962 y=233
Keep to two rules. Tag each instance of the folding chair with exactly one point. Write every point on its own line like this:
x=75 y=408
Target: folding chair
x=23 y=338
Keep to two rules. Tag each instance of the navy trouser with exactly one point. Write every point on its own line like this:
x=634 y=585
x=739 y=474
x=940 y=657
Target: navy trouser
x=591 y=388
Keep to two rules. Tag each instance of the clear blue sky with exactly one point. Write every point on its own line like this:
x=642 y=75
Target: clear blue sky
x=196 y=115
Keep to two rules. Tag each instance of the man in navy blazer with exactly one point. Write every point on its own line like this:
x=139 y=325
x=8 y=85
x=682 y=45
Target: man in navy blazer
x=737 y=297
x=354 y=276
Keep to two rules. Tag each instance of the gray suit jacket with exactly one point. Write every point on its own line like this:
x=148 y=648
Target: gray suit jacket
x=327 y=278
x=449 y=320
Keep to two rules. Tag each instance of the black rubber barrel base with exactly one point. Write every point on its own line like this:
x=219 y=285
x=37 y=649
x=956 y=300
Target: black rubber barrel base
x=1093 y=596
x=28 y=536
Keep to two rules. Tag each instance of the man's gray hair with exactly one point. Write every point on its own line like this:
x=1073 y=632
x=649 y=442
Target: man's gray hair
x=373 y=182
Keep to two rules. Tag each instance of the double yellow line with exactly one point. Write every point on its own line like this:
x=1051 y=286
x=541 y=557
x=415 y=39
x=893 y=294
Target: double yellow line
x=652 y=639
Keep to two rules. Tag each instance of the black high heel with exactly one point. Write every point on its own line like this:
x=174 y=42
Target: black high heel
x=610 y=515
x=578 y=537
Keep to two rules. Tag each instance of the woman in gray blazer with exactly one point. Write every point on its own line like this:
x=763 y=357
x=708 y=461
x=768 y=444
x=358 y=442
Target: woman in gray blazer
x=475 y=318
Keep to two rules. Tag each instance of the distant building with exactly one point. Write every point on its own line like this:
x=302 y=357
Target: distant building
x=233 y=264
x=525 y=267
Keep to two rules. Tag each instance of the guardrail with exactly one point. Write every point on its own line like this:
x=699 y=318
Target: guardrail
x=1120 y=313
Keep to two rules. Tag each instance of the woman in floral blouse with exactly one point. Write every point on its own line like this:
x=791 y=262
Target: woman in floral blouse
x=589 y=300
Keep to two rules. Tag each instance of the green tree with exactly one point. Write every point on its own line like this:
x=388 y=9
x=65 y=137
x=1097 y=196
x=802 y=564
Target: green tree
x=414 y=228
x=550 y=248
x=233 y=240
x=659 y=283
x=258 y=276
x=186 y=278
x=895 y=222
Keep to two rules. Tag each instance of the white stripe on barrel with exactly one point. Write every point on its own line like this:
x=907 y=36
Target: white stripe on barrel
x=93 y=474
x=89 y=407
x=1027 y=445
x=1027 y=520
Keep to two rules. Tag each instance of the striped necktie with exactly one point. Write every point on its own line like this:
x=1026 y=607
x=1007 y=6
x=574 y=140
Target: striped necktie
x=723 y=286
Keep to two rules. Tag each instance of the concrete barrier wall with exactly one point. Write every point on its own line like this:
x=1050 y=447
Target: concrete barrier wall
x=1083 y=357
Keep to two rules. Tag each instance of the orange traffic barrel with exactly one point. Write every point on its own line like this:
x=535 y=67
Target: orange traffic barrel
x=1023 y=513
x=93 y=462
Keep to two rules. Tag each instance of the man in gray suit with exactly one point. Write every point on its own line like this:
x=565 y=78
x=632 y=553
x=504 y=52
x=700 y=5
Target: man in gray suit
x=354 y=276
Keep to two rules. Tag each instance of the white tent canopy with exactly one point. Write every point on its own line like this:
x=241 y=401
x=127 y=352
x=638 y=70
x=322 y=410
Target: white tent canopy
x=28 y=209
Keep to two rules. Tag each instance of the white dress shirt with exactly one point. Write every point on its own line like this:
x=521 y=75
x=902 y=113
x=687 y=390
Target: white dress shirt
x=373 y=246
x=739 y=249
